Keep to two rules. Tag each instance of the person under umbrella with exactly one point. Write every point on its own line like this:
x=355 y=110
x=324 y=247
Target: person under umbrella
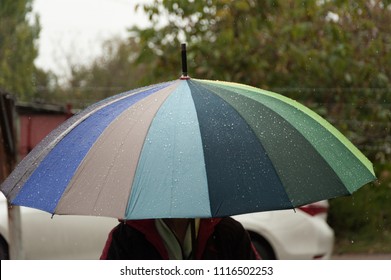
x=177 y=239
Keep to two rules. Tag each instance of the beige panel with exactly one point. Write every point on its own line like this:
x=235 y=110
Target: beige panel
x=102 y=183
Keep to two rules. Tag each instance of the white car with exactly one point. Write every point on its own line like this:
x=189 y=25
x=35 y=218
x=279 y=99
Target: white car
x=301 y=234
x=60 y=237
x=276 y=234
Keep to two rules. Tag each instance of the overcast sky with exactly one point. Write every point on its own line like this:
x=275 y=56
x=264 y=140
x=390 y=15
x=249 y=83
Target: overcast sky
x=77 y=27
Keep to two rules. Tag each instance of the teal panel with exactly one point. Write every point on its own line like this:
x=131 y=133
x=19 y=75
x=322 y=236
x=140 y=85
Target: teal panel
x=170 y=179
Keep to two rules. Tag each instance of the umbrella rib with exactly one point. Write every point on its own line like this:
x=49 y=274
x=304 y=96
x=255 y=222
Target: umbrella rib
x=172 y=177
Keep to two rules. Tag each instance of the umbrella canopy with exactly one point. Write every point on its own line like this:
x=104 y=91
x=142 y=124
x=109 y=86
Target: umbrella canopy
x=188 y=148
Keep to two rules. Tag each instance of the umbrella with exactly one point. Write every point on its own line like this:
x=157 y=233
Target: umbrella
x=188 y=148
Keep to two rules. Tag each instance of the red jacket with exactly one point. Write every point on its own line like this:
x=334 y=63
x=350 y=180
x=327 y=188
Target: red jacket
x=217 y=239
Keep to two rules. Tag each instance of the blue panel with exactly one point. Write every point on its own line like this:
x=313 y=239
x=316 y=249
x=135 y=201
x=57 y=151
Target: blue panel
x=47 y=183
x=170 y=179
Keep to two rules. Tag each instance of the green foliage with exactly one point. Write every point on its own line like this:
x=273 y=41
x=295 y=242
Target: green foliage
x=275 y=43
x=17 y=47
x=334 y=56
x=363 y=220
x=111 y=73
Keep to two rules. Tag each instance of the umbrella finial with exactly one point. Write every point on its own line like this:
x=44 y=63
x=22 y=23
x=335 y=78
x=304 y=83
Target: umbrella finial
x=184 y=63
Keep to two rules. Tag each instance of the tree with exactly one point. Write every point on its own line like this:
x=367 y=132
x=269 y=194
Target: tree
x=220 y=35
x=110 y=73
x=334 y=56
x=18 y=32
x=273 y=43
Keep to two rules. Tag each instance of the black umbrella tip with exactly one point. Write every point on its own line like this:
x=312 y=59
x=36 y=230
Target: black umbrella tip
x=184 y=62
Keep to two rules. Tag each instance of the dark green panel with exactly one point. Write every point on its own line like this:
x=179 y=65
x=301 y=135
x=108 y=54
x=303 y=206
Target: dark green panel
x=307 y=177
x=350 y=165
x=240 y=175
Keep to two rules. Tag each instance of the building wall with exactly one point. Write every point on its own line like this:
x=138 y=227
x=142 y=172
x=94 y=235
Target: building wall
x=34 y=127
x=5 y=167
x=7 y=135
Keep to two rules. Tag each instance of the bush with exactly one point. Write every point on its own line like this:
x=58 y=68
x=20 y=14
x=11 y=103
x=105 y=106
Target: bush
x=362 y=222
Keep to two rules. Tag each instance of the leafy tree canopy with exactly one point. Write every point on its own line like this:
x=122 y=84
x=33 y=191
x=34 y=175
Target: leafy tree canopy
x=332 y=55
x=18 y=32
x=273 y=43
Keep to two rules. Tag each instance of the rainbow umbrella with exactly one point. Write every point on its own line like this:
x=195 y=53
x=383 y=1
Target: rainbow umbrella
x=188 y=148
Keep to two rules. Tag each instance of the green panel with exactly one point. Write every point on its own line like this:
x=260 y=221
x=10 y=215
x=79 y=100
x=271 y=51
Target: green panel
x=317 y=118
x=346 y=160
x=306 y=176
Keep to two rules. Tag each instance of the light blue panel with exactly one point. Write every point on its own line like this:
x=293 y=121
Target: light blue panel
x=170 y=179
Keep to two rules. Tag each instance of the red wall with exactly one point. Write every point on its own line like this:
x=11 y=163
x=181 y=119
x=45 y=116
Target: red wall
x=34 y=127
